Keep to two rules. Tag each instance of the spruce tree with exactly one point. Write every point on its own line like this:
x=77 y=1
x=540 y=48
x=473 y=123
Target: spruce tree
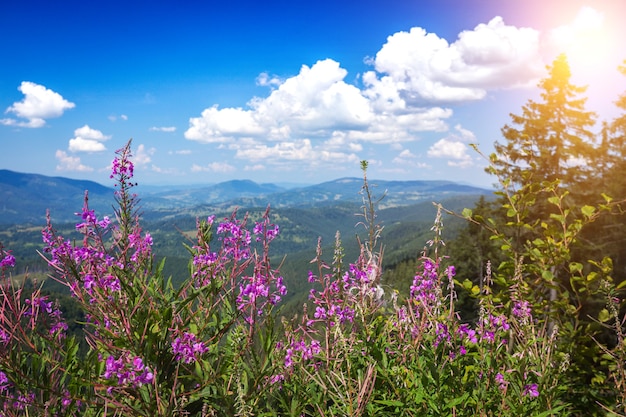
x=552 y=138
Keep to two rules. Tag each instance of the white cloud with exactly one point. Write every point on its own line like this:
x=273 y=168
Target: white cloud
x=113 y=117
x=181 y=152
x=220 y=167
x=70 y=163
x=404 y=157
x=421 y=67
x=39 y=104
x=301 y=151
x=265 y=80
x=87 y=139
x=455 y=151
x=314 y=103
x=143 y=156
x=79 y=144
x=464 y=134
x=315 y=116
x=163 y=129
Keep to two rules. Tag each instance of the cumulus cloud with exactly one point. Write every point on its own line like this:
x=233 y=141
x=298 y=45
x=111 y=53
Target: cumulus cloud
x=70 y=163
x=265 y=80
x=454 y=147
x=39 y=103
x=163 y=129
x=453 y=150
x=301 y=151
x=316 y=103
x=404 y=157
x=316 y=117
x=143 y=156
x=418 y=66
x=87 y=139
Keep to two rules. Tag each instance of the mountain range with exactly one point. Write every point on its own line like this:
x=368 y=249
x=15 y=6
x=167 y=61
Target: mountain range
x=25 y=198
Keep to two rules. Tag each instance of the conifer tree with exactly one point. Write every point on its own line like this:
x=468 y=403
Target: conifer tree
x=614 y=184
x=552 y=138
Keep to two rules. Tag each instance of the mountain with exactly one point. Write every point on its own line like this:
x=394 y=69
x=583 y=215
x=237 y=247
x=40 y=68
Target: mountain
x=24 y=198
x=182 y=197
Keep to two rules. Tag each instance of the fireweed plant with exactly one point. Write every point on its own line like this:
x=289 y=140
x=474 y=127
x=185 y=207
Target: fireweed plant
x=211 y=346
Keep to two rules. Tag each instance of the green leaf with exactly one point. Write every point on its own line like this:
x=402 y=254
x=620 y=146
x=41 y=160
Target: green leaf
x=588 y=211
x=575 y=267
x=467 y=213
x=554 y=200
x=547 y=275
x=475 y=290
x=604 y=315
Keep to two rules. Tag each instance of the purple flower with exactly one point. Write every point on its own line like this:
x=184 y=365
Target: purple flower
x=8 y=261
x=67 y=400
x=502 y=383
x=4 y=337
x=128 y=372
x=188 y=348
x=277 y=378
x=531 y=390
x=122 y=167
x=288 y=358
x=521 y=309
x=104 y=223
x=4 y=382
x=110 y=283
x=61 y=328
x=320 y=313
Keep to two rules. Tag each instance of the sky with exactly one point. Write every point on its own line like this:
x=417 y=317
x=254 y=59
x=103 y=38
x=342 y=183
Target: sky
x=287 y=92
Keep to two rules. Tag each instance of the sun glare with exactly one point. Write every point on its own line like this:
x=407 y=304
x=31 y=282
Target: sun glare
x=586 y=41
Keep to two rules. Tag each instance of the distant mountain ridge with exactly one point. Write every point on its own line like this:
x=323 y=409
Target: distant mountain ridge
x=24 y=198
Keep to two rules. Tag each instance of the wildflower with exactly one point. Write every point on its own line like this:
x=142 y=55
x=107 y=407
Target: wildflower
x=122 y=167
x=67 y=400
x=187 y=348
x=59 y=329
x=4 y=337
x=320 y=313
x=7 y=261
x=277 y=378
x=531 y=390
x=4 y=382
x=128 y=372
x=521 y=309
x=502 y=383
x=288 y=358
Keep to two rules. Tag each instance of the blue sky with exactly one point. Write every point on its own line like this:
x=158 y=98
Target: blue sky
x=287 y=91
